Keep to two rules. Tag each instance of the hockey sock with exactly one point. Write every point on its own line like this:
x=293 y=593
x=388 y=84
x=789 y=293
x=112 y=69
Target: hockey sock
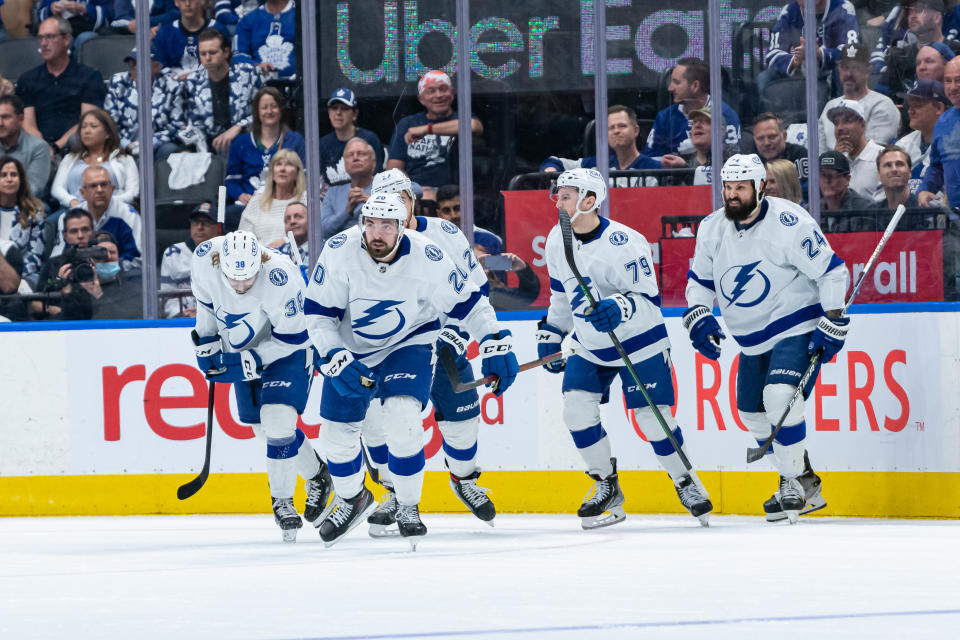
x=281 y=469
x=376 y=440
x=581 y=413
x=791 y=444
x=659 y=442
x=460 y=445
x=405 y=457
x=307 y=463
x=341 y=441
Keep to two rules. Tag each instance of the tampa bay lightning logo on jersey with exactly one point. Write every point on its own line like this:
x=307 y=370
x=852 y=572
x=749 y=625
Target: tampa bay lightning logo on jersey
x=278 y=277
x=233 y=321
x=618 y=238
x=337 y=241
x=744 y=285
x=448 y=226
x=378 y=319
x=579 y=298
x=788 y=219
x=204 y=249
x=433 y=252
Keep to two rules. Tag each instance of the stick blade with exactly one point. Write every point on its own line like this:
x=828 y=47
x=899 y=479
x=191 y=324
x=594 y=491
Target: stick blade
x=754 y=454
x=189 y=489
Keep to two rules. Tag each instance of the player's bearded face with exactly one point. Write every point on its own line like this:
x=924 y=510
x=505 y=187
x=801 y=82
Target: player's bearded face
x=241 y=286
x=380 y=236
x=739 y=200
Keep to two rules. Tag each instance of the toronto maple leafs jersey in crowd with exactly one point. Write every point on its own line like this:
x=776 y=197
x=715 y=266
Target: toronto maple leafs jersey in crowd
x=615 y=260
x=772 y=278
x=195 y=107
x=265 y=37
x=372 y=308
x=121 y=103
x=176 y=48
x=268 y=318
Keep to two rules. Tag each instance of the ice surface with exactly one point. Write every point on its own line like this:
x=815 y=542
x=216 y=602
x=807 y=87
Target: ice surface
x=532 y=577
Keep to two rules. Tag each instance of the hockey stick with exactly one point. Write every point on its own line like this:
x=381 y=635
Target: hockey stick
x=197 y=483
x=756 y=453
x=566 y=231
x=449 y=363
x=294 y=250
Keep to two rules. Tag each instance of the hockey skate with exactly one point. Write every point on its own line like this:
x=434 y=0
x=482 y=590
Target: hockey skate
x=319 y=492
x=382 y=520
x=285 y=515
x=694 y=500
x=345 y=515
x=791 y=498
x=474 y=497
x=410 y=525
x=810 y=482
x=603 y=498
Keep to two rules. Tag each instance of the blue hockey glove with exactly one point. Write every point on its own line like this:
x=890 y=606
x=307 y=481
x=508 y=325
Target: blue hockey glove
x=455 y=339
x=350 y=377
x=610 y=312
x=240 y=366
x=548 y=342
x=496 y=350
x=705 y=332
x=828 y=337
x=208 y=350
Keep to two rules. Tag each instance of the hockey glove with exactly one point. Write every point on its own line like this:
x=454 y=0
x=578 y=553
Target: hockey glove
x=351 y=378
x=610 y=312
x=496 y=350
x=208 y=350
x=828 y=337
x=455 y=339
x=548 y=343
x=240 y=366
x=705 y=332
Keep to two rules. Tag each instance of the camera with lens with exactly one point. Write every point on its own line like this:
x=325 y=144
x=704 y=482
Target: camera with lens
x=79 y=260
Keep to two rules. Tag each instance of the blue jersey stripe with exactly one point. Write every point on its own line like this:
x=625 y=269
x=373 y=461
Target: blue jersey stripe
x=835 y=262
x=780 y=325
x=313 y=308
x=462 y=309
x=709 y=284
x=630 y=345
x=291 y=338
x=556 y=285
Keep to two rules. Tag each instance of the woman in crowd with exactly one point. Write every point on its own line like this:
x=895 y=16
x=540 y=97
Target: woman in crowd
x=98 y=144
x=21 y=215
x=285 y=183
x=783 y=182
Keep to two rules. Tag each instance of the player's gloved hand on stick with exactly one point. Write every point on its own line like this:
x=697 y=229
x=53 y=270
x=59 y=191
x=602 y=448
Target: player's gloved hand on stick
x=496 y=350
x=610 y=312
x=828 y=337
x=350 y=377
x=549 y=339
x=705 y=332
x=240 y=366
x=457 y=340
x=208 y=350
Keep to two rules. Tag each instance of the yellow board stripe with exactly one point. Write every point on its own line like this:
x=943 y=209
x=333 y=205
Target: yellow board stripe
x=865 y=494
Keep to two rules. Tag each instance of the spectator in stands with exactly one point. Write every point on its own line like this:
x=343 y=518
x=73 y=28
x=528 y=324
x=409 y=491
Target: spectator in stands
x=700 y=158
x=926 y=101
x=177 y=44
x=924 y=27
x=931 y=61
x=216 y=98
x=250 y=153
x=783 y=181
x=690 y=87
x=11 y=264
x=448 y=208
x=32 y=152
x=161 y=12
x=77 y=231
x=122 y=102
x=422 y=143
x=835 y=191
x=343 y=111
x=622 y=132
x=286 y=182
x=770 y=139
x=503 y=297
x=836 y=25
x=893 y=167
x=879 y=112
x=944 y=170
x=87 y=18
x=175 y=267
x=111 y=293
x=98 y=145
x=6 y=87
x=850 y=129
x=297 y=220
x=225 y=11
x=341 y=205
x=266 y=36
x=108 y=214
x=21 y=216
x=57 y=92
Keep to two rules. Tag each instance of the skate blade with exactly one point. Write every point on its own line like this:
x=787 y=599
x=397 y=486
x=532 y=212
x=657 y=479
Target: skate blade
x=384 y=530
x=489 y=522
x=704 y=520
x=792 y=516
x=605 y=519
x=413 y=541
x=814 y=504
x=289 y=535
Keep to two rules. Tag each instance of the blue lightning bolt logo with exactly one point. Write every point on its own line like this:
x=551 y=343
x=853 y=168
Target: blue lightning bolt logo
x=580 y=298
x=742 y=278
x=374 y=313
x=232 y=321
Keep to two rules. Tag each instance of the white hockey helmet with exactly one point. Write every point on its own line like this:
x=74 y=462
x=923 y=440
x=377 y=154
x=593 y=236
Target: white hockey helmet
x=240 y=255
x=391 y=181
x=745 y=166
x=585 y=181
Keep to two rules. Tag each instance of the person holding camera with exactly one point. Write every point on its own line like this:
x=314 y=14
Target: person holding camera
x=11 y=264
x=503 y=297
x=95 y=287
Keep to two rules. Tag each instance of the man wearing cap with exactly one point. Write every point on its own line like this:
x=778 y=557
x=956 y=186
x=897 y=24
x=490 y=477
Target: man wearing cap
x=835 y=191
x=343 y=111
x=850 y=130
x=175 y=267
x=700 y=158
x=944 y=170
x=926 y=102
x=122 y=101
x=341 y=205
x=879 y=112
x=923 y=20
x=421 y=144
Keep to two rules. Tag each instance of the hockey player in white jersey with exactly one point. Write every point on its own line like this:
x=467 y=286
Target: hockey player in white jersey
x=616 y=263
x=374 y=304
x=251 y=332
x=457 y=414
x=780 y=289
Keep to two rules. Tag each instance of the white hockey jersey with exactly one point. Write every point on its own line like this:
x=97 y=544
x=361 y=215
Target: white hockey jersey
x=448 y=237
x=371 y=308
x=772 y=279
x=268 y=318
x=617 y=260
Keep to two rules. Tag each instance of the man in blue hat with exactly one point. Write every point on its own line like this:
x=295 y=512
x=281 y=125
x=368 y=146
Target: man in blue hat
x=926 y=102
x=342 y=110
